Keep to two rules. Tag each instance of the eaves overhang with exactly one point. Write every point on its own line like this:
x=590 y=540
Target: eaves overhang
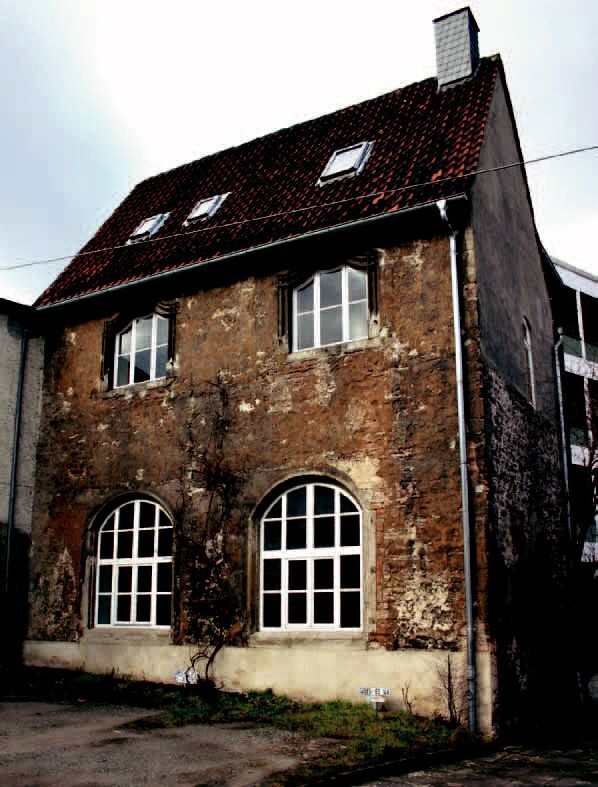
x=319 y=234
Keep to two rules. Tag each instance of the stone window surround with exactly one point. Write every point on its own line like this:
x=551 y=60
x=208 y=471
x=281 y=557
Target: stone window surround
x=115 y=326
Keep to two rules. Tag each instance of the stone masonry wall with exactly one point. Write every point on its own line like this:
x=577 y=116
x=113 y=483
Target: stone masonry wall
x=528 y=550
x=378 y=415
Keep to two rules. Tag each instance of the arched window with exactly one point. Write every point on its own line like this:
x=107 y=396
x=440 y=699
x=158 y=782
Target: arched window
x=331 y=307
x=310 y=566
x=134 y=576
x=141 y=351
x=529 y=362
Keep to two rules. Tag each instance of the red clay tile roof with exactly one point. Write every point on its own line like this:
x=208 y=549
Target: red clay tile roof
x=419 y=135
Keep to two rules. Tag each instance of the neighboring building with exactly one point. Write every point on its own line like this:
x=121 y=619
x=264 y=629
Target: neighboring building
x=576 y=315
x=21 y=362
x=376 y=319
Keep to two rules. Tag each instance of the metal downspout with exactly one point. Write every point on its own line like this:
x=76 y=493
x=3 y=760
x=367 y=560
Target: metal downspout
x=465 y=512
x=12 y=498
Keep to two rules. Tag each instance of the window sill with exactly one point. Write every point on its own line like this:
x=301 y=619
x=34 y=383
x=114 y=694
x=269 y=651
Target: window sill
x=127 y=634
x=137 y=389
x=341 y=348
x=355 y=640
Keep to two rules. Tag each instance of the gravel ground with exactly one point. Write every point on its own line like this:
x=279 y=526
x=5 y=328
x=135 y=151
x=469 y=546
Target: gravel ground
x=46 y=744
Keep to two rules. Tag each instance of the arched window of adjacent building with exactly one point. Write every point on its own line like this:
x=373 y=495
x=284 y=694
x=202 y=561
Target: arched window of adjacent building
x=141 y=350
x=134 y=566
x=311 y=560
x=331 y=307
x=529 y=362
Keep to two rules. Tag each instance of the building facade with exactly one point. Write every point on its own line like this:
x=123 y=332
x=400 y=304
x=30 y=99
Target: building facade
x=324 y=358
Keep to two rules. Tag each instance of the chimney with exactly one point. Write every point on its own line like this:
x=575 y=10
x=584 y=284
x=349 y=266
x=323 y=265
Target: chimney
x=457 y=52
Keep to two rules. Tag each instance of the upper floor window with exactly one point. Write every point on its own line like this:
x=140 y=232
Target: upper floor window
x=134 y=569
x=205 y=208
x=346 y=162
x=148 y=227
x=141 y=351
x=310 y=566
x=529 y=362
x=331 y=307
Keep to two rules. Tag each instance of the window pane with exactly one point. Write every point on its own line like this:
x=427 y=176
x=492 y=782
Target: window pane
x=147 y=515
x=350 y=609
x=144 y=606
x=272 y=537
x=347 y=505
x=124 y=342
x=296 y=502
x=324 y=532
x=145 y=544
x=350 y=571
x=331 y=289
x=297 y=574
x=163 y=610
x=350 y=530
x=296 y=534
x=125 y=576
x=358 y=320
x=272 y=574
x=125 y=517
x=104 y=609
x=105 y=579
x=162 y=334
x=125 y=544
x=323 y=607
x=345 y=161
x=275 y=511
x=305 y=331
x=122 y=374
x=142 y=366
x=143 y=334
x=305 y=298
x=324 y=574
x=323 y=500
x=161 y=361
x=164 y=577
x=272 y=610
x=297 y=608
x=106 y=545
x=144 y=579
x=331 y=326
x=123 y=609
x=163 y=520
x=357 y=284
x=165 y=542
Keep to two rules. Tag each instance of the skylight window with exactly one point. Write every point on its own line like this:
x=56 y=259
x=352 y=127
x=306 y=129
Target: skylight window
x=206 y=208
x=148 y=227
x=346 y=162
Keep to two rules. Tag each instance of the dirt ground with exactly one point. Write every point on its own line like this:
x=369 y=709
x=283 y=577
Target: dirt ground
x=45 y=744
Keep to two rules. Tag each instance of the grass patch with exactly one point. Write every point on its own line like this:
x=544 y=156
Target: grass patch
x=360 y=736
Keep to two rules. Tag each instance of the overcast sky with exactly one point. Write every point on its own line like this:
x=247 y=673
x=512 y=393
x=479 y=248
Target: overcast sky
x=97 y=95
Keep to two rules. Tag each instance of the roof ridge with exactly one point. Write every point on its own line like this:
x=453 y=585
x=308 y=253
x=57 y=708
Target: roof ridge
x=300 y=124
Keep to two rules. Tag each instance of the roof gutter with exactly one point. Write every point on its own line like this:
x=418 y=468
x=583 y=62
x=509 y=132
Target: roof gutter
x=367 y=222
x=465 y=508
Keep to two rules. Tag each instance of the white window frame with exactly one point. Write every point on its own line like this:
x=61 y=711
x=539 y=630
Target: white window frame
x=309 y=554
x=148 y=227
x=134 y=563
x=153 y=350
x=205 y=208
x=345 y=304
x=529 y=360
x=362 y=154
